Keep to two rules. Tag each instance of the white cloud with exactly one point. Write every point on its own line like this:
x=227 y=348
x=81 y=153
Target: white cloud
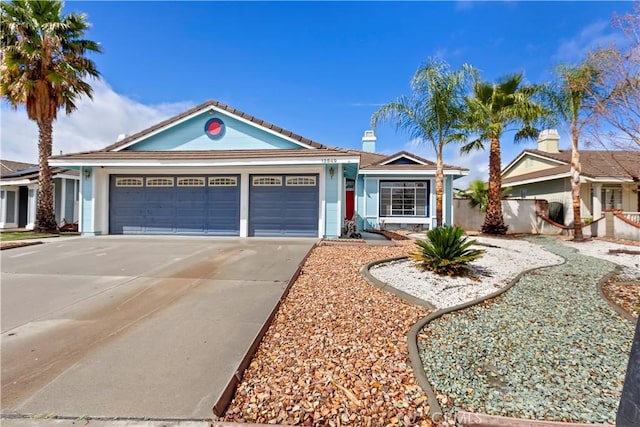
x=596 y=34
x=94 y=125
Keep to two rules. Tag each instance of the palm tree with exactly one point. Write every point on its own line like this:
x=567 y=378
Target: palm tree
x=42 y=66
x=478 y=194
x=492 y=110
x=431 y=112
x=572 y=102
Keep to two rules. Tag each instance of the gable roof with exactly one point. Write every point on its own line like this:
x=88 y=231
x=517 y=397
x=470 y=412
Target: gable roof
x=203 y=107
x=404 y=154
x=381 y=162
x=9 y=166
x=115 y=152
x=614 y=164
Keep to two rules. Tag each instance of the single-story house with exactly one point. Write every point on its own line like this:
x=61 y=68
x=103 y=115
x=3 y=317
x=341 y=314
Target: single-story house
x=214 y=170
x=19 y=190
x=609 y=179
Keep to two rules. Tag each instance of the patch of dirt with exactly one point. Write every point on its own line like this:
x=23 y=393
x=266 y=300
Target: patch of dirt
x=393 y=235
x=336 y=353
x=624 y=294
x=16 y=244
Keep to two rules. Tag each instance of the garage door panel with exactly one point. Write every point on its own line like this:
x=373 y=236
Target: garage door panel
x=283 y=210
x=175 y=205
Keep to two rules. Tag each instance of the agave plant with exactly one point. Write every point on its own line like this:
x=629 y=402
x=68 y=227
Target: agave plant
x=446 y=250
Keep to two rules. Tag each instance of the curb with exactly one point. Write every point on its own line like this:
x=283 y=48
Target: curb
x=225 y=398
x=364 y=271
x=25 y=420
x=9 y=245
x=473 y=419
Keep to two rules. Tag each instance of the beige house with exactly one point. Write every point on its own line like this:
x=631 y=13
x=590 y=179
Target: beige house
x=609 y=179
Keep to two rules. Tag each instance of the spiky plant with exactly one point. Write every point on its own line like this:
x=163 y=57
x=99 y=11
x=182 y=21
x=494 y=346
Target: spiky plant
x=446 y=250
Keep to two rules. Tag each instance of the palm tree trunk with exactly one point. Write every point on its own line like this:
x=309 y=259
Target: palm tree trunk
x=439 y=189
x=575 y=184
x=45 y=215
x=493 y=220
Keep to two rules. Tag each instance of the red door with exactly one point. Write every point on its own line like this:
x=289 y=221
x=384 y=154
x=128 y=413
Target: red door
x=349 y=198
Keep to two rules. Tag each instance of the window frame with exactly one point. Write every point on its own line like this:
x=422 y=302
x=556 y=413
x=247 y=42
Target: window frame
x=401 y=212
x=229 y=181
x=277 y=181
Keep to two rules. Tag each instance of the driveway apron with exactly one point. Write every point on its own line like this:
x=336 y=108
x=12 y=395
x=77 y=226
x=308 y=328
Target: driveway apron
x=147 y=327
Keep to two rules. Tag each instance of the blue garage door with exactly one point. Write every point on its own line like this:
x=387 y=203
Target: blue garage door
x=179 y=204
x=283 y=205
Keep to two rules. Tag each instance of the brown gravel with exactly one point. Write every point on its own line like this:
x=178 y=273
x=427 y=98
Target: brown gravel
x=625 y=294
x=336 y=353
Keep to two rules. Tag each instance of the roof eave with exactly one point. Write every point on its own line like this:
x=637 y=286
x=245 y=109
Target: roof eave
x=257 y=161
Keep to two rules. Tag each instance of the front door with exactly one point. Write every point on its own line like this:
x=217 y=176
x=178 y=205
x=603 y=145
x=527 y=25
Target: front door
x=349 y=198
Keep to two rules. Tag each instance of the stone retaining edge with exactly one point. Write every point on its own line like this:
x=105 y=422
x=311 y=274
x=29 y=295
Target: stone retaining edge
x=225 y=398
x=364 y=271
x=473 y=419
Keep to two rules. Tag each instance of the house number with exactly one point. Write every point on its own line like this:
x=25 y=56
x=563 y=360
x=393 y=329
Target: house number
x=329 y=161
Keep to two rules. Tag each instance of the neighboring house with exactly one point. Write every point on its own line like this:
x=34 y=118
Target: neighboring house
x=609 y=179
x=18 y=192
x=214 y=170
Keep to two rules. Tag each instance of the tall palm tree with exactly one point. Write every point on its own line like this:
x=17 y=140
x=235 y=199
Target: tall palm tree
x=42 y=66
x=493 y=109
x=431 y=113
x=572 y=101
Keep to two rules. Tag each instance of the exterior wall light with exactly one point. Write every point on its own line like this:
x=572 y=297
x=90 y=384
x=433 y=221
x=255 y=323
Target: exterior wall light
x=331 y=172
x=87 y=173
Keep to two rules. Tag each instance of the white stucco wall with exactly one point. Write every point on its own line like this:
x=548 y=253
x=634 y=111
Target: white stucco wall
x=519 y=215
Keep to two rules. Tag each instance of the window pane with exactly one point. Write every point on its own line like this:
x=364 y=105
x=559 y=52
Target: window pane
x=11 y=206
x=399 y=198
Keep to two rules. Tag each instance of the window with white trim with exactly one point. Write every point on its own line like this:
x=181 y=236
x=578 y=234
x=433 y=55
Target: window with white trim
x=267 y=181
x=612 y=197
x=223 y=181
x=301 y=181
x=403 y=198
x=191 y=181
x=129 y=181
x=160 y=182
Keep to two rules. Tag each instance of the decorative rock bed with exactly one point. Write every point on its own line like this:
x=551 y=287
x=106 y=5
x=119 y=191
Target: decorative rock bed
x=504 y=259
x=550 y=348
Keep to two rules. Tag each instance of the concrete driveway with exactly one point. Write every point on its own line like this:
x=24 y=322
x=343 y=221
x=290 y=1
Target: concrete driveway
x=145 y=327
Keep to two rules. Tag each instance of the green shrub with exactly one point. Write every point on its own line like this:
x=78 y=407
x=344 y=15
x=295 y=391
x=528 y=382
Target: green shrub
x=446 y=251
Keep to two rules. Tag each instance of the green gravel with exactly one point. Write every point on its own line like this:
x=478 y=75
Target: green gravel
x=549 y=348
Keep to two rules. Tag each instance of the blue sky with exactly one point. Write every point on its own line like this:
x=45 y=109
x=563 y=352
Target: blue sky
x=319 y=69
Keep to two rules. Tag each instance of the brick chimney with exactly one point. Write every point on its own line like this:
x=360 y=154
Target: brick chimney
x=369 y=141
x=548 y=141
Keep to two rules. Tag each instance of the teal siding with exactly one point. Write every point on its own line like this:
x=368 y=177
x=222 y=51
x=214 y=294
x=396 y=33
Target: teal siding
x=331 y=214
x=350 y=170
x=190 y=135
x=86 y=186
x=371 y=204
x=360 y=202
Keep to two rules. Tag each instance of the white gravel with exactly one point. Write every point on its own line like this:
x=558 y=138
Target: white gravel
x=493 y=271
x=600 y=249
